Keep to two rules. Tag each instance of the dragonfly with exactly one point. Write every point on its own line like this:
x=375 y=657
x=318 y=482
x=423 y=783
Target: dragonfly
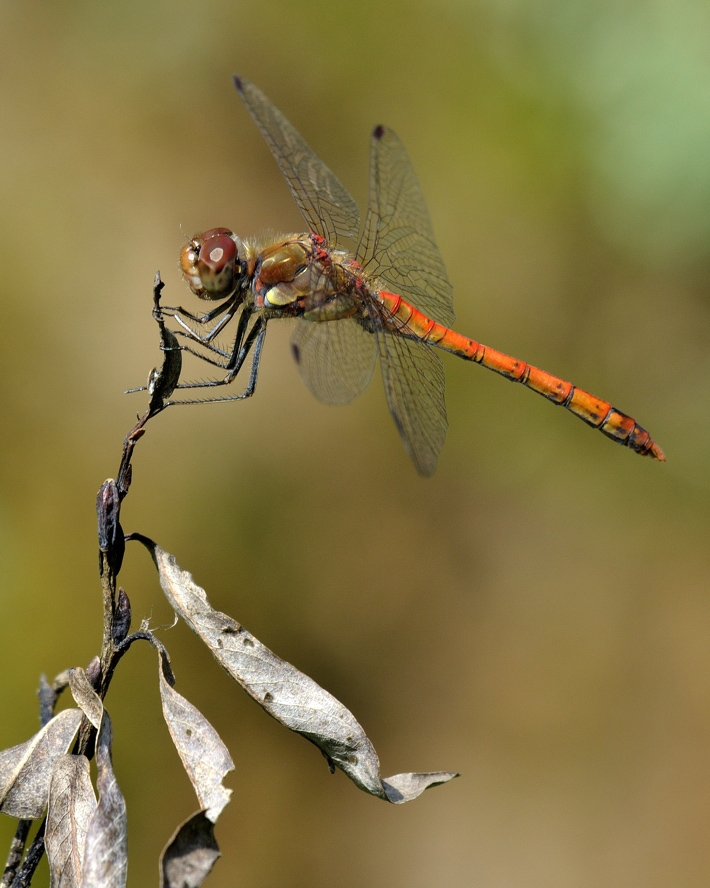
x=388 y=297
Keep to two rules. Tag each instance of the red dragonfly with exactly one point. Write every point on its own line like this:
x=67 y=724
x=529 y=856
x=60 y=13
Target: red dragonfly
x=389 y=297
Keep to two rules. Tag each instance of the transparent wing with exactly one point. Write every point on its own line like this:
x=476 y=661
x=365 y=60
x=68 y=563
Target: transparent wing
x=325 y=204
x=414 y=384
x=397 y=243
x=336 y=359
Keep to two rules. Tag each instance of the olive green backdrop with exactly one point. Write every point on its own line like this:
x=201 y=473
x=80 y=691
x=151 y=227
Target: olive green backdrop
x=536 y=614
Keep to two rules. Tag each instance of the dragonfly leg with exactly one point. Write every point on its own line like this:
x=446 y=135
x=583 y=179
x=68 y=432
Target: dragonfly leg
x=254 y=339
x=206 y=358
x=227 y=308
x=231 y=357
x=225 y=355
x=228 y=358
x=198 y=319
x=210 y=335
x=235 y=358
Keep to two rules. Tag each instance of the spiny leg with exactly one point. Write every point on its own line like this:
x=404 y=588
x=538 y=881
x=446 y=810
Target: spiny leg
x=229 y=309
x=199 y=319
x=225 y=355
x=240 y=350
x=230 y=357
x=255 y=339
x=224 y=364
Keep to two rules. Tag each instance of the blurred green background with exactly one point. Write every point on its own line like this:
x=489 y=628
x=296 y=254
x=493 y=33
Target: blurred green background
x=537 y=614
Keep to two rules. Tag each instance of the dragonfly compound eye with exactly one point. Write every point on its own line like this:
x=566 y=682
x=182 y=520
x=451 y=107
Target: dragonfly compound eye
x=209 y=264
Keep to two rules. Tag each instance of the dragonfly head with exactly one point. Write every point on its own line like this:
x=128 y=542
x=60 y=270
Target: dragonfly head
x=211 y=263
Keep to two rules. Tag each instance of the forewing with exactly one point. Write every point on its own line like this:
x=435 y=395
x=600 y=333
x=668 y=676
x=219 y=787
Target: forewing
x=413 y=376
x=325 y=204
x=336 y=359
x=398 y=243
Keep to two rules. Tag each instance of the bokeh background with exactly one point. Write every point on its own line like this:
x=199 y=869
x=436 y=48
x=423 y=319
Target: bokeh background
x=536 y=615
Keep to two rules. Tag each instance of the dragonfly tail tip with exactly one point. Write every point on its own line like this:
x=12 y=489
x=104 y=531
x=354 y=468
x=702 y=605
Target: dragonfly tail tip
x=657 y=453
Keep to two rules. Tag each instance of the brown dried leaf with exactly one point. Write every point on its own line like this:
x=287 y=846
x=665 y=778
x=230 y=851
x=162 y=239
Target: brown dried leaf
x=105 y=859
x=205 y=758
x=288 y=695
x=85 y=696
x=190 y=855
x=26 y=770
x=402 y=788
x=71 y=805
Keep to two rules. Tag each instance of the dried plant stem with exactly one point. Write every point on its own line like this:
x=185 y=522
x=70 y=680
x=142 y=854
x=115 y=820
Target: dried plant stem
x=24 y=874
x=116 y=606
x=17 y=848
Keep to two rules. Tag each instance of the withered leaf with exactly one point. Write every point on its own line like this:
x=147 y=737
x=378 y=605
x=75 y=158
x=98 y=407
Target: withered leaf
x=283 y=691
x=405 y=787
x=85 y=696
x=105 y=859
x=26 y=769
x=205 y=758
x=71 y=805
x=190 y=855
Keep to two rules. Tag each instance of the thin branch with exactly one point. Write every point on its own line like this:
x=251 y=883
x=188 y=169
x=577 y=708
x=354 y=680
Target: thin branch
x=116 y=605
x=34 y=855
x=17 y=848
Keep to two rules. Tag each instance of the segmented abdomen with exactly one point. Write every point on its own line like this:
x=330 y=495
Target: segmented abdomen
x=403 y=318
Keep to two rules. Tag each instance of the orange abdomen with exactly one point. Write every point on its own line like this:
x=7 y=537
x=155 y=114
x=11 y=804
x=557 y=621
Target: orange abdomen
x=594 y=411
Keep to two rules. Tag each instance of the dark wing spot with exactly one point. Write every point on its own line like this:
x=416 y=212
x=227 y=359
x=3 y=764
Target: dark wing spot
x=379 y=131
x=296 y=352
x=238 y=82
